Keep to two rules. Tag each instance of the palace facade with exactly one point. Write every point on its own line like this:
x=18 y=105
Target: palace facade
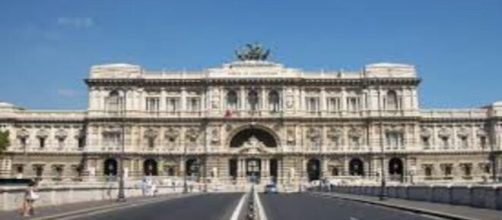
x=256 y=119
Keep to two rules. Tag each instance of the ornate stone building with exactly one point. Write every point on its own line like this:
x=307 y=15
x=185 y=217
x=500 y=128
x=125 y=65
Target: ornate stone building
x=254 y=118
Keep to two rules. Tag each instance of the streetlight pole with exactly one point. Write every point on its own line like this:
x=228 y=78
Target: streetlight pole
x=382 y=165
x=121 y=194
x=184 y=170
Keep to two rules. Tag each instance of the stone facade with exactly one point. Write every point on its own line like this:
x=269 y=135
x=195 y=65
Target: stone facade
x=254 y=119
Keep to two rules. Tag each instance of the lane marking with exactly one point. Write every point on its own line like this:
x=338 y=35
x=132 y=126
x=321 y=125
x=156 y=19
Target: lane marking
x=261 y=211
x=238 y=208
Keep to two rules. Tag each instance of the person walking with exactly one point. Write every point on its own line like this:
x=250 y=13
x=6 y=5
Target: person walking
x=30 y=196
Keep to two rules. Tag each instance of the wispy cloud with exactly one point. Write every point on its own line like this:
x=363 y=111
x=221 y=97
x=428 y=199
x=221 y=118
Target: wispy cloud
x=68 y=93
x=76 y=22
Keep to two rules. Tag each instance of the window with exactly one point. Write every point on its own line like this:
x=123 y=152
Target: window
x=151 y=142
x=447 y=169
x=445 y=141
x=355 y=141
x=114 y=103
x=61 y=141
x=172 y=104
x=333 y=104
x=111 y=139
x=352 y=104
x=467 y=169
x=312 y=104
x=464 y=142
x=22 y=141
x=253 y=100
x=426 y=142
x=193 y=104
x=41 y=142
x=152 y=104
x=232 y=100
x=81 y=142
x=274 y=101
x=394 y=139
x=428 y=171
x=482 y=142
x=391 y=101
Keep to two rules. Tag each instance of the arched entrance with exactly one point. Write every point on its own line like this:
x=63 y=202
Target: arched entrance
x=314 y=169
x=150 y=167
x=110 y=167
x=396 y=169
x=356 y=167
x=249 y=144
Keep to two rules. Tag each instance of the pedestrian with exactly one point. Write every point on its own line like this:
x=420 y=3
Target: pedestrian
x=154 y=189
x=30 y=196
x=144 y=186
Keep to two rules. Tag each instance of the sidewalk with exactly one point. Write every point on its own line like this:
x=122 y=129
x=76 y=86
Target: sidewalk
x=435 y=209
x=48 y=211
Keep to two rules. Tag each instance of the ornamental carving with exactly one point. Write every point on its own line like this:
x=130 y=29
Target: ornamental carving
x=42 y=133
x=334 y=133
x=61 y=134
x=463 y=132
x=23 y=133
x=192 y=134
x=290 y=136
x=355 y=132
x=314 y=135
x=151 y=133
x=171 y=134
x=444 y=132
x=425 y=132
x=215 y=136
x=481 y=132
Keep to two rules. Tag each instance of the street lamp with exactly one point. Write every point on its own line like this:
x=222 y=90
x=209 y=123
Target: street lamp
x=382 y=195
x=121 y=194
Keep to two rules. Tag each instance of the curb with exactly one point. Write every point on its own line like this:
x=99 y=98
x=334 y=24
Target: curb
x=400 y=207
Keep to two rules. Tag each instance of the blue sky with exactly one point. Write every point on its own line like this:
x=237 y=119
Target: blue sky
x=47 y=47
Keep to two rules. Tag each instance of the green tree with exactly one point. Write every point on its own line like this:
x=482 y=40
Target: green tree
x=4 y=140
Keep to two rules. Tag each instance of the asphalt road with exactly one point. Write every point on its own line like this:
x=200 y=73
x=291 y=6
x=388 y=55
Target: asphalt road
x=201 y=207
x=303 y=206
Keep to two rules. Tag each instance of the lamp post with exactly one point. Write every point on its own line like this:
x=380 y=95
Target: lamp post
x=121 y=194
x=382 y=194
x=184 y=170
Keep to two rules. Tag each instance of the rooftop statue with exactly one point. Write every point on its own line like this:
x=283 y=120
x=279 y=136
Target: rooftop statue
x=252 y=52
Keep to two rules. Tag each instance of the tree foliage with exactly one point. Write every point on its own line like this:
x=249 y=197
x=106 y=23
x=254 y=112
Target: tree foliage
x=4 y=140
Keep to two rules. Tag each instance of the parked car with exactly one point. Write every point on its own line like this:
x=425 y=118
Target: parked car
x=271 y=189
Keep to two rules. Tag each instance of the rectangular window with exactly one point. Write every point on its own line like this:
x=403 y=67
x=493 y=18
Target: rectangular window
x=312 y=104
x=353 y=104
x=426 y=142
x=152 y=104
x=81 y=142
x=41 y=142
x=464 y=143
x=482 y=142
x=172 y=104
x=193 y=104
x=333 y=104
x=394 y=140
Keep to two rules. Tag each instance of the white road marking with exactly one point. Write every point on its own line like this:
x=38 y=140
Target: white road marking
x=238 y=208
x=261 y=211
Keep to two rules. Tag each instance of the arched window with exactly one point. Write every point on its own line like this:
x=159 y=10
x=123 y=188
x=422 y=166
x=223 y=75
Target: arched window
x=392 y=102
x=150 y=167
x=232 y=100
x=253 y=100
x=114 y=102
x=356 y=167
x=273 y=101
x=110 y=167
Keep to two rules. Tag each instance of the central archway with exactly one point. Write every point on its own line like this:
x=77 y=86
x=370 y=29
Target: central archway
x=264 y=136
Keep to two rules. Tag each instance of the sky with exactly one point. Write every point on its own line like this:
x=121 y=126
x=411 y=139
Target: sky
x=47 y=47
